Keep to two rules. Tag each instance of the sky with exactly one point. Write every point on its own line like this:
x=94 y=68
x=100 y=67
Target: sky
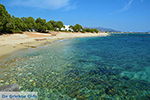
x=122 y=15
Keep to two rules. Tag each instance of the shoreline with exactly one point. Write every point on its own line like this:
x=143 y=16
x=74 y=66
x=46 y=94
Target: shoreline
x=13 y=42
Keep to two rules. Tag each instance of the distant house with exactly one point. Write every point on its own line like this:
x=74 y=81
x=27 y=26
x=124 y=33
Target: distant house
x=66 y=28
x=31 y=30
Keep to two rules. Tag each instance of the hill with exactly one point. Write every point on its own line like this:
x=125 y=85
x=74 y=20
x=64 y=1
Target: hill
x=107 y=29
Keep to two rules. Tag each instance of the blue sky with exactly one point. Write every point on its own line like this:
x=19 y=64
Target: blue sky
x=124 y=15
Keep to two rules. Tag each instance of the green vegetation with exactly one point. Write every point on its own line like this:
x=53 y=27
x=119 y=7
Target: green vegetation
x=6 y=22
x=11 y=24
x=91 y=30
x=77 y=28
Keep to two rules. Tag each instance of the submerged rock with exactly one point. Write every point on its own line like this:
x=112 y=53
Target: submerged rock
x=110 y=91
x=12 y=87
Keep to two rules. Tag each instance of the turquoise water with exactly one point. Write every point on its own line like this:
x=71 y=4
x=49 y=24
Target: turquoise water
x=115 y=67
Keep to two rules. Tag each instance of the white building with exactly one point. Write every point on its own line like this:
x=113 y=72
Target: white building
x=66 y=28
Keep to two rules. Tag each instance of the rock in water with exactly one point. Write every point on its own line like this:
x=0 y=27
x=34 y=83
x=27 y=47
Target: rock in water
x=12 y=87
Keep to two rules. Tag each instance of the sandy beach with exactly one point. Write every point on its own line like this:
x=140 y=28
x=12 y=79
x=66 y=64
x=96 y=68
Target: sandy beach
x=12 y=42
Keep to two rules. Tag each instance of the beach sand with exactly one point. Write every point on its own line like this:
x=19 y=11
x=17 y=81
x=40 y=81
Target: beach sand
x=12 y=42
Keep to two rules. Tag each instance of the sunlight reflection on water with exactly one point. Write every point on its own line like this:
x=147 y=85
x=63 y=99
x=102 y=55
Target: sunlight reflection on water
x=112 y=67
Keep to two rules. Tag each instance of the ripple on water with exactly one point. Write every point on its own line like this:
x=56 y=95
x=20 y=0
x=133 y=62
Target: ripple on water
x=112 y=67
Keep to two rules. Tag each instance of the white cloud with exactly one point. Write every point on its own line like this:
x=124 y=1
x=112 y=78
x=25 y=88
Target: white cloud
x=127 y=6
x=46 y=4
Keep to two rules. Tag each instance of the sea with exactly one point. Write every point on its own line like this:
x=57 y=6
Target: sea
x=114 y=67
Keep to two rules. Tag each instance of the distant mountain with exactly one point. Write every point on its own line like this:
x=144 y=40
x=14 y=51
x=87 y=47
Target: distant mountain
x=107 y=29
x=147 y=32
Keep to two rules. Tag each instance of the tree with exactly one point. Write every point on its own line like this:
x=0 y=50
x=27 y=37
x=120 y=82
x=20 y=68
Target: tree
x=77 y=28
x=29 y=23
x=19 y=24
x=91 y=30
x=6 y=23
x=52 y=22
x=40 y=21
x=96 y=30
x=58 y=25
x=11 y=24
x=41 y=25
x=49 y=26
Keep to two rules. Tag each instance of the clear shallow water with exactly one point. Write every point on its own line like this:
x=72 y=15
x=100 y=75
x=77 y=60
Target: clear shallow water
x=115 y=67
